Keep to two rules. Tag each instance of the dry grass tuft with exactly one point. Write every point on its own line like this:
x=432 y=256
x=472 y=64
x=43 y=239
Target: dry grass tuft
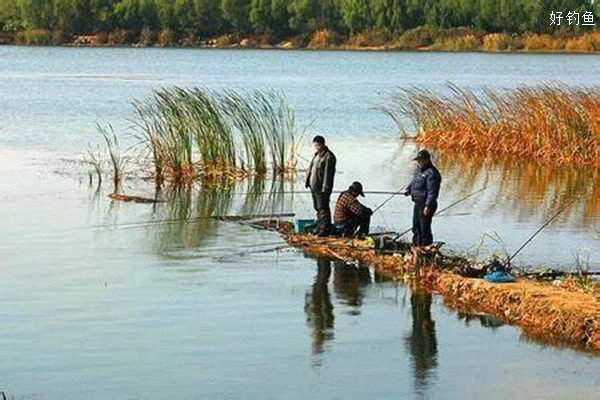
x=324 y=39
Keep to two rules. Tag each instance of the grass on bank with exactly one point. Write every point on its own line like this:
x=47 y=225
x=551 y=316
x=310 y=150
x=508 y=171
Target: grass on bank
x=549 y=124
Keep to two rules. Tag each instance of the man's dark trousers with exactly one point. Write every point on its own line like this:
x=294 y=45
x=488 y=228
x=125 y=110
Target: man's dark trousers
x=422 y=235
x=321 y=205
x=354 y=222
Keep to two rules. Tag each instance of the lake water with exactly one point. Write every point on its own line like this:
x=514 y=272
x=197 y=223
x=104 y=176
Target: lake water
x=92 y=308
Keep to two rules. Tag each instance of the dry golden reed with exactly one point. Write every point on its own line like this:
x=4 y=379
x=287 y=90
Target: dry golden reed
x=549 y=124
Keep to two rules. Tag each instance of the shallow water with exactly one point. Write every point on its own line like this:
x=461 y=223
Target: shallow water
x=95 y=309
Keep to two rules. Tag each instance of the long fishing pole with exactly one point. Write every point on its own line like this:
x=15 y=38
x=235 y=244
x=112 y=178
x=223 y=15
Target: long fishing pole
x=203 y=218
x=377 y=192
x=238 y=217
x=553 y=274
x=396 y=193
x=449 y=206
x=541 y=228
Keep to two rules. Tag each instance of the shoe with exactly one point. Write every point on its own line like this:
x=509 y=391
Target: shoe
x=322 y=234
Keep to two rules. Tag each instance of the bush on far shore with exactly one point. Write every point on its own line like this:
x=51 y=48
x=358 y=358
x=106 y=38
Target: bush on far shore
x=33 y=37
x=122 y=37
x=586 y=43
x=147 y=37
x=495 y=42
x=534 y=42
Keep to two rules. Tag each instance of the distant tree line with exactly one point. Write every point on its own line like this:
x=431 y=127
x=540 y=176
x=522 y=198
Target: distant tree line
x=285 y=18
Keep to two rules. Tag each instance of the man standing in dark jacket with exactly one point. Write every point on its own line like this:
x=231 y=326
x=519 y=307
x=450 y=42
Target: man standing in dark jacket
x=424 y=190
x=320 y=181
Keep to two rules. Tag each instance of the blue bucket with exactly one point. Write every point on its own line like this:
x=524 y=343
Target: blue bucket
x=304 y=225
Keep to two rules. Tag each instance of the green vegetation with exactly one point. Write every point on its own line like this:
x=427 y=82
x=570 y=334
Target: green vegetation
x=319 y=24
x=117 y=161
x=194 y=133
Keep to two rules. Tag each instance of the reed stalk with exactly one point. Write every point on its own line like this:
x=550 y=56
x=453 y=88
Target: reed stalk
x=95 y=163
x=550 y=124
x=113 y=149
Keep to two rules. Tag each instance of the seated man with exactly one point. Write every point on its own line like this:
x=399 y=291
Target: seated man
x=350 y=215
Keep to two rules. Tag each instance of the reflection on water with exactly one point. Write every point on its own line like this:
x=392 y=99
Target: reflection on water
x=349 y=282
x=185 y=219
x=422 y=342
x=526 y=189
x=318 y=307
x=521 y=189
x=190 y=209
x=487 y=321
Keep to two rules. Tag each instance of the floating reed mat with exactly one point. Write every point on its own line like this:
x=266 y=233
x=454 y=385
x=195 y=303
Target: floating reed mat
x=541 y=310
x=562 y=313
x=194 y=133
x=133 y=199
x=550 y=124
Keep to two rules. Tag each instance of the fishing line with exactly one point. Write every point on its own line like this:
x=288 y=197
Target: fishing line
x=399 y=191
x=232 y=218
x=248 y=246
x=376 y=192
x=261 y=251
x=541 y=228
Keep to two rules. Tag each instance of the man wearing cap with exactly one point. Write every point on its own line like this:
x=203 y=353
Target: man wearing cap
x=319 y=179
x=424 y=190
x=350 y=214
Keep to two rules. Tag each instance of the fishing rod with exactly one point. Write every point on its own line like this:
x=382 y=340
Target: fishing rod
x=402 y=190
x=204 y=251
x=203 y=218
x=377 y=192
x=261 y=251
x=449 y=206
x=555 y=273
x=541 y=228
x=235 y=217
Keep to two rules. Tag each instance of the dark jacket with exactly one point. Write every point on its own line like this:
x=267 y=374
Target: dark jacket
x=324 y=172
x=425 y=186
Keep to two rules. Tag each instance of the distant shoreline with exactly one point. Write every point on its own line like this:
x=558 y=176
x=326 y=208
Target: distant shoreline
x=324 y=40
x=378 y=49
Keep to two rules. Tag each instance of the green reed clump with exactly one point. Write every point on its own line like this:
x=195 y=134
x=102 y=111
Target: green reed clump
x=193 y=132
x=240 y=111
x=552 y=124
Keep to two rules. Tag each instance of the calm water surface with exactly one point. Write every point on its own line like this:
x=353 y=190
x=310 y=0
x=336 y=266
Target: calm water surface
x=94 y=309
